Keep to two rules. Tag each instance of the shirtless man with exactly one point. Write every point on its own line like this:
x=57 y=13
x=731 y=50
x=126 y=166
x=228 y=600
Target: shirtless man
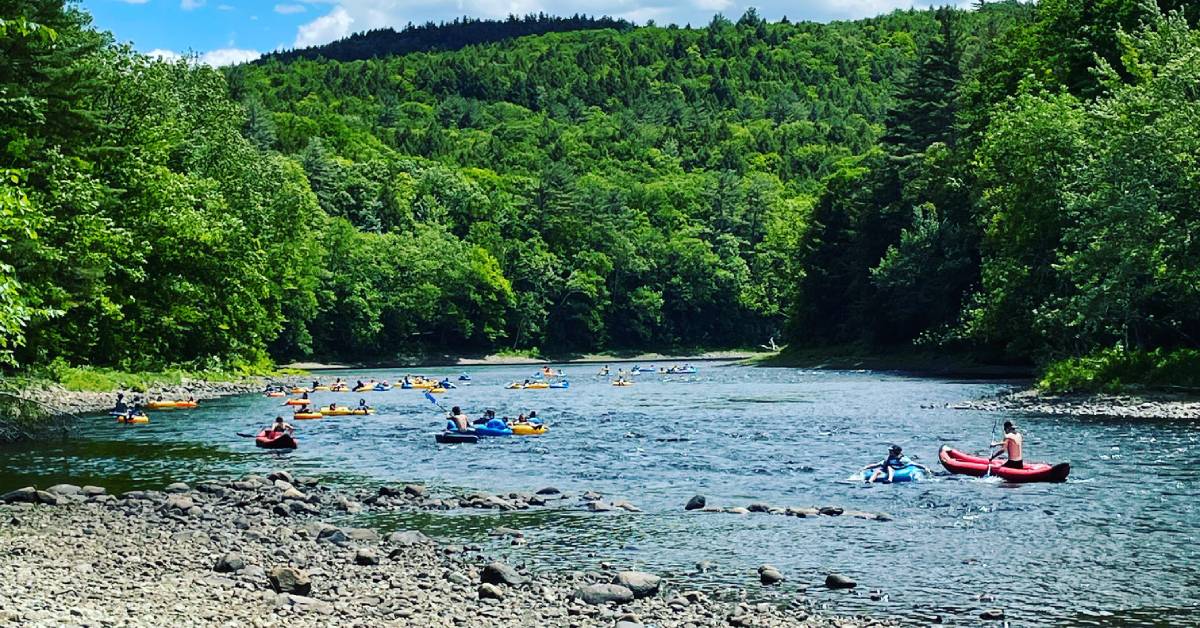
x=1011 y=447
x=282 y=426
x=460 y=420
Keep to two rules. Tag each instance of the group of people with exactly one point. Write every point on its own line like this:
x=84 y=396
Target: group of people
x=464 y=423
x=127 y=410
x=1011 y=447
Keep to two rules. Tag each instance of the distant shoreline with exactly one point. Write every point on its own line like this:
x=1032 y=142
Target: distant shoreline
x=514 y=360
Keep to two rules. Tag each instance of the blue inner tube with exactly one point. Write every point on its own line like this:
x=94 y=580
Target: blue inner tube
x=910 y=473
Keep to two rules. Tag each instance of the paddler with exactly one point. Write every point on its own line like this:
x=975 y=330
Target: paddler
x=461 y=422
x=282 y=426
x=1011 y=447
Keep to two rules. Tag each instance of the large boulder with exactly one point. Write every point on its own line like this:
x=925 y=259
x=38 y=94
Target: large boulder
x=230 y=562
x=642 y=584
x=26 y=495
x=409 y=538
x=177 y=487
x=603 y=594
x=489 y=591
x=366 y=556
x=65 y=489
x=695 y=503
x=497 y=572
x=289 y=580
x=838 y=581
x=769 y=575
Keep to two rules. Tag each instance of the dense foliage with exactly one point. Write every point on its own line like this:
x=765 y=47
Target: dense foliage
x=1018 y=180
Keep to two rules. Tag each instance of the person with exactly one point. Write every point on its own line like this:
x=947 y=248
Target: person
x=282 y=426
x=461 y=422
x=191 y=399
x=488 y=415
x=358 y=385
x=121 y=407
x=1011 y=447
x=531 y=417
x=333 y=405
x=316 y=383
x=362 y=404
x=604 y=371
x=895 y=460
x=304 y=396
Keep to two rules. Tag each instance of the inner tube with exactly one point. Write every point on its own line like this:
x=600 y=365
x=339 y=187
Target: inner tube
x=346 y=411
x=562 y=384
x=529 y=429
x=274 y=393
x=135 y=419
x=307 y=415
x=907 y=473
x=268 y=439
x=451 y=437
x=160 y=405
x=186 y=404
x=382 y=387
x=494 y=427
x=299 y=391
x=297 y=402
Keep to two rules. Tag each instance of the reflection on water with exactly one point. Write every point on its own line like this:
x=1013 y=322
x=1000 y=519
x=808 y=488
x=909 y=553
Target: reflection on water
x=1114 y=546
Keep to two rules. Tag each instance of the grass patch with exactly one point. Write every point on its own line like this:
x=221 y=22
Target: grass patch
x=1117 y=369
x=533 y=353
x=98 y=379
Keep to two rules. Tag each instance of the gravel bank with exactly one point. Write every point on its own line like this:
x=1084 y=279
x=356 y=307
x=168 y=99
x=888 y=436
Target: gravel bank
x=1159 y=406
x=258 y=552
x=61 y=401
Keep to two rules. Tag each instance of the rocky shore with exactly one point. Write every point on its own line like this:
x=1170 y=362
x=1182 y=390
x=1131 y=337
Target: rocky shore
x=261 y=551
x=60 y=401
x=1156 y=406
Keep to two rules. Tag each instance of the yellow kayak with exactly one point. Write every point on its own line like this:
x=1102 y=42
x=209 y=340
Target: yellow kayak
x=528 y=429
x=346 y=411
x=137 y=418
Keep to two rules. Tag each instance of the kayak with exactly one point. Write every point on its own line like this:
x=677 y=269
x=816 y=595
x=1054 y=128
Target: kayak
x=161 y=405
x=907 y=473
x=137 y=418
x=529 y=429
x=451 y=437
x=297 y=402
x=268 y=439
x=965 y=464
x=346 y=411
x=307 y=415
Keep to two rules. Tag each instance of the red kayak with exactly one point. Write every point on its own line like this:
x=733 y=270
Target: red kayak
x=965 y=464
x=268 y=439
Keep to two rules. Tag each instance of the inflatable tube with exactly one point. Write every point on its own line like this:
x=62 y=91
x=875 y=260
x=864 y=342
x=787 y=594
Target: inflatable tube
x=342 y=388
x=307 y=415
x=298 y=402
x=161 y=405
x=494 y=427
x=622 y=383
x=273 y=394
x=382 y=387
x=135 y=419
x=966 y=464
x=296 y=390
x=907 y=473
x=268 y=439
x=321 y=389
x=562 y=384
x=186 y=405
x=347 y=412
x=529 y=429
x=536 y=385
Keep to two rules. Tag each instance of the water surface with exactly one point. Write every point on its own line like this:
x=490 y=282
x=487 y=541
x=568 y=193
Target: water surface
x=1114 y=546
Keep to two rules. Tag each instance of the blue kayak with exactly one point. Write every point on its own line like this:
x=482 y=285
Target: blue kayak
x=910 y=473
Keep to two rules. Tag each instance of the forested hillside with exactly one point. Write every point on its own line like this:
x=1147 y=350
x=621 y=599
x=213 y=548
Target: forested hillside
x=1019 y=181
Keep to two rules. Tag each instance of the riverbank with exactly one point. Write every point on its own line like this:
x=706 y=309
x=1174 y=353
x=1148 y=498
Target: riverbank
x=259 y=551
x=906 y=361
x=1146 y=406
x=507 y=359
x=58 y=400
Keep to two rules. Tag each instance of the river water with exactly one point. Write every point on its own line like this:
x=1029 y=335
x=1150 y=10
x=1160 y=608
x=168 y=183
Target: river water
x=1116 y=545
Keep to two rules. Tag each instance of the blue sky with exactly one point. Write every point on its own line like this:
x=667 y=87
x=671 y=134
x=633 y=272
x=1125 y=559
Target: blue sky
x=229 y=31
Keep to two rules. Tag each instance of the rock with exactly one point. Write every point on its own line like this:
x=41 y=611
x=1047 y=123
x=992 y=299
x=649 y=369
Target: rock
x=590 y=496
x=625 y=505
x=458 y=578
x=47 y=498
x=489 y=591
x=292 y=493
x=497 y=572
x=831 y=511
x=366 y=556
x=759 y=507
x=599 y=507
x=26 y=495
x=409 y=538
x=310 y=605
x=362 y=535
x=181 y=503
x=280 y=476
x=992 y=614
x=283 y=486
x=737 y=510
x=625 y=623
x=549 y=490
x=229 y=563
x=596 y=594
x=838 y=581
x=177 y=487
x=414 y=490
x=503 y=531
x=333 y=535
x=769 y=575
x=347 y=505
x=64 y=489
x=289 y=580
x=642 y=584
x=695 y=503
x=390 y=491
x=281 y=510
x=704 y=566
x=93 y=491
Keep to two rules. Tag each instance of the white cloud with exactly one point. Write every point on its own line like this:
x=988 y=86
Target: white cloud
x=228 y=56
x=325 y=29
x=288 y=9
x=188 y=5
x=135 y=1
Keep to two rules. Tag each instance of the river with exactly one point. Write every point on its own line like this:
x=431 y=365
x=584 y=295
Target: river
x=1114 y=546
